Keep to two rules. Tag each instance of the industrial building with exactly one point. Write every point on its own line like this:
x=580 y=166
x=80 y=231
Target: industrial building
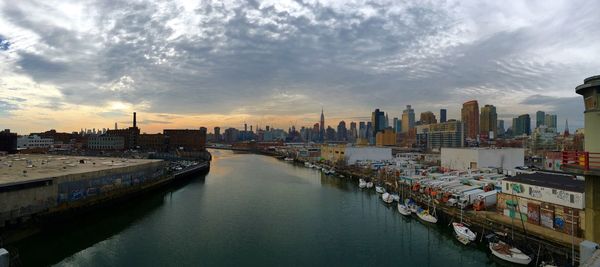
x=555 y=201
x=34 y=141
x=351 y=154
x=106 y=142
x=8 y=141
x=475 y=158
x=41 y=184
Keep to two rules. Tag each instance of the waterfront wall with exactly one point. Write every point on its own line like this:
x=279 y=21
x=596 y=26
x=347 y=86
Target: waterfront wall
x=20 y=202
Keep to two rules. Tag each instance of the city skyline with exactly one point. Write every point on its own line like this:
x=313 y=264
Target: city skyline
x=72 y=66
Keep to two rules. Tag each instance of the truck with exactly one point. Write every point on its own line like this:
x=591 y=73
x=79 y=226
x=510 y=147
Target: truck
x=485 y=200
x=468 y=198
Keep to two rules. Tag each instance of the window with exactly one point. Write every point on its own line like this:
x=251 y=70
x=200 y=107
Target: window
x=572 y=198
x=554 y=191
x=530 y=191
x=507 y=187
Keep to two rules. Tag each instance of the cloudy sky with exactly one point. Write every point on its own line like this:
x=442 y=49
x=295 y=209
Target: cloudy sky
x=186 y=64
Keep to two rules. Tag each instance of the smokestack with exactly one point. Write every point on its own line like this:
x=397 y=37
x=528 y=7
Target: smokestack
x=134 y=120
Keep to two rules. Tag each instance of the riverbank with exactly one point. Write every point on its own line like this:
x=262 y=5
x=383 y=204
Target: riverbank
x=539 y=242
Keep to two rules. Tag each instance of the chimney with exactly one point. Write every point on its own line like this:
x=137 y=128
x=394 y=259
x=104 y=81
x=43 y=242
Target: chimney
x=134 y=120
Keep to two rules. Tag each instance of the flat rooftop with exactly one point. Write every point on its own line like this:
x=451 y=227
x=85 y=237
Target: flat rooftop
x=23 y=168
x=556 y=181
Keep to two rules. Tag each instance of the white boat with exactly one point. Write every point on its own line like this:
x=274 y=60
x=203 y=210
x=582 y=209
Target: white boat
x=307 y=164
x=463 y=232
x=403 y=209
x=387 y=198
x=369 y=184
x=396 y=197
x=425 y=216
x=288 y=159
x=379 y=189
x=362 y=183
x=509 y=253
x=411 y=205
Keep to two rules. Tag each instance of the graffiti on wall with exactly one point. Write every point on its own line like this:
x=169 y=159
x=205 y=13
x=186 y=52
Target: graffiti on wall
x=70 y=191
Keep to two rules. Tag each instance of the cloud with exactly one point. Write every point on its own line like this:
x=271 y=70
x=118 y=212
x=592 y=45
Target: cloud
x=290 y=58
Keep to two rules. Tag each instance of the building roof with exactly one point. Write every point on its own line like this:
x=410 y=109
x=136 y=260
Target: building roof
x=24 y=168
x=549 y=180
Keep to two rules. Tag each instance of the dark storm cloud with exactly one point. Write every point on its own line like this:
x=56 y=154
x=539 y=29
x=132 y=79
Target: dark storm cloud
x=292 y=57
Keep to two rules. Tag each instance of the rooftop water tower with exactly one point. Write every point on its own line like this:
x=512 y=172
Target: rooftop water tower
x=590 y=90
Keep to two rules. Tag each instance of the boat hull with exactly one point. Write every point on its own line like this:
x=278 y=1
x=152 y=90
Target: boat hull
x=518 y=258
x=402 y=209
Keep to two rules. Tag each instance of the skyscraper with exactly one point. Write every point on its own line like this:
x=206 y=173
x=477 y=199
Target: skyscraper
x=342 y=132
x=470 y=117
x=217 y=134
x=322 y=127
x=550 y=121
x=488 y=120
x=395 y=125
x=500 y=128
x=522 y=125
x=540 y=118
x=442 y=115
x=408 y=119
x=378 y=121
x=362 y=130
x=353 y=132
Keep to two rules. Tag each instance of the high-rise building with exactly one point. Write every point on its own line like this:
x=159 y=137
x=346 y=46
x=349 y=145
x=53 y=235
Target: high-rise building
x=470 y=117
x=387 y=137
x=428 y=117
x=442 y=115
x=540 y=118
x=342 y=132
x=322 y=127
x=330 y=134
x=395 y=125
x=353 y=132
x=378 y=121
x=362 y=130
x=500 y=128
x=408 y=119
x=550 y=121
x=387 y=121
x=488 y=121
x=447 y=134
x=217 y=134
x=370 y=131
x=522 y=125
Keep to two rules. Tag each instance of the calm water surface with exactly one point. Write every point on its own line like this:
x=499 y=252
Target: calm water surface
x=252 y=210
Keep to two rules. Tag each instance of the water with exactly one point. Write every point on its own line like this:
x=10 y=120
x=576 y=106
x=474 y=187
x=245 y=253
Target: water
x=251 y=210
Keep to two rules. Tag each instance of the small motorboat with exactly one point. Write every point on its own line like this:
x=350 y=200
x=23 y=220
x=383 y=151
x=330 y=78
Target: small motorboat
x=307 y=164
x=508 y=253
x=425 y=216
x=379 y=189
x=369 y=184
x=288 y=159
x=387 y=198
x=362 y=183
x=463 y=232
x=403 y=209
x=396 y=197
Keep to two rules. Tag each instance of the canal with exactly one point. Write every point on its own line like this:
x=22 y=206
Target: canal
x=251 y=210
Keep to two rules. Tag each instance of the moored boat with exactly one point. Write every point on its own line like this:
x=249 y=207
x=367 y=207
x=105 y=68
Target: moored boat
x=362 y=183
x=509 y=253
x=369 y=184
x=387 y=198
x=403 y=209
x=463 y=232
x=425 y=216
x=379 y=189
x=396 y=197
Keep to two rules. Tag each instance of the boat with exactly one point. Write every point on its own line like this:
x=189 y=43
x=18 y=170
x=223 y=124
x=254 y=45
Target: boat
x=425 y=216
x=387 y=198
x=369 y=184
x=411 y=205
x=288 y=159
x=508 y=253
x=362 y=183
x=307 y=164
x=463 y=232
x=379 y=189
x=396 y=197
x=403 y=209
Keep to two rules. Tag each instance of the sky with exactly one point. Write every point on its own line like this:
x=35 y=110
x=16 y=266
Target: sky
x=68 y=65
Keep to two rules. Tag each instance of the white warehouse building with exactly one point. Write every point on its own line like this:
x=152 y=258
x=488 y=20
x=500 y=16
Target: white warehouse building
x=476 y=158
x=354 y=154
x=34 y=141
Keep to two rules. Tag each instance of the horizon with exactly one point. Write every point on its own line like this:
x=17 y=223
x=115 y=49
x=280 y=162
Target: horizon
x=68 y=66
